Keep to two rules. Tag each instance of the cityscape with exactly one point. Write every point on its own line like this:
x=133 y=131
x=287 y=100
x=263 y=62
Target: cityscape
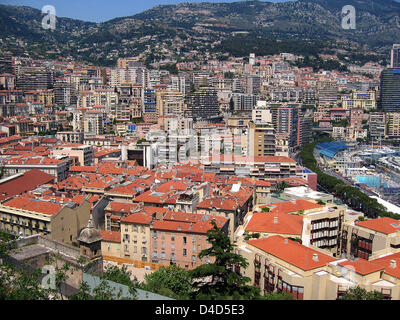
x=201 y=151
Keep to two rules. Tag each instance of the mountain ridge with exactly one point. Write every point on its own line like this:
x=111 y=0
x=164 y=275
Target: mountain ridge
x=201 y=27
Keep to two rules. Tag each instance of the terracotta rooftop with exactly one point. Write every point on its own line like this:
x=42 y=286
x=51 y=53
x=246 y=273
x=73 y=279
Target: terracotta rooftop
x=292 y=252
x=110 y=236
x=384 y=225
x=362 y=266
x=140 y=218
x=295 y=206
x=27 y=182
x=218 y=203
x=281 y=223
x=24 y=203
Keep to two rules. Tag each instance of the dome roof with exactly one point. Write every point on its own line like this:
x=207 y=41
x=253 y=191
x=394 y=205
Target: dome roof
x=89 y=234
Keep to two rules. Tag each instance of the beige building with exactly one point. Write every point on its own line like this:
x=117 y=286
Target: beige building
x=261 y=139
x=105 y=97
x=169 y=103
x=314 y=225
x=278 y=264
x=135 y=237
x=110 y=243
x=393 y=124
x=370 y=239
x=365 y=100
x=84 y=153
x=60 y=221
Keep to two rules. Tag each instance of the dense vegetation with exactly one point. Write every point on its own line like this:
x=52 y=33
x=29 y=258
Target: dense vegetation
x=358 y=293
x=241 y=46
x=317 y=64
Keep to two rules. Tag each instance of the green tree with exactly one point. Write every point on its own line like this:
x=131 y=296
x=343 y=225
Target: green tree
x=358 y=293
x=282 y=186
x=172 y=281
x=221 y=281
x=21 y=285
x=102 y=292
x=122 y=276
x=83 y=293
x=278 y=296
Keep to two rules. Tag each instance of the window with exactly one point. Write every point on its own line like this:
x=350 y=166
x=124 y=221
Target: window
x=134 y=228
x=135 y=249
x=155 y=255
x=173 y=256
x=184 y=252
x=172 y=236
x=162 y=245
x=163 y=255
x=194 y=248
x=142 y=229
x=184 y=240
x=172 y=246
x=193 y=259
x=155 y=244
x=162 y=235
x=126 y=238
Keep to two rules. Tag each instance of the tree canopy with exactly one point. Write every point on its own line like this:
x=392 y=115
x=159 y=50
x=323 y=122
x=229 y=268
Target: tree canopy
x=221 y=281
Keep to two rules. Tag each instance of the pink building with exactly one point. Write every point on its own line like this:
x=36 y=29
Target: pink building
x=179 y=237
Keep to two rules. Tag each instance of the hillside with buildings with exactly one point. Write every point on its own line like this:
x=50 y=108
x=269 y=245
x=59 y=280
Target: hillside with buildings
x=201 y=29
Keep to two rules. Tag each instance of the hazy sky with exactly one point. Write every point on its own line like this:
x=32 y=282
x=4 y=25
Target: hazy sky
x=101 y=10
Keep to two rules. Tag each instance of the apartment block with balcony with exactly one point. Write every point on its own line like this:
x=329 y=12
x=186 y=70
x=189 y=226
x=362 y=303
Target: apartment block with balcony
x=312 y=224
x=278 y=264
x=370 y=239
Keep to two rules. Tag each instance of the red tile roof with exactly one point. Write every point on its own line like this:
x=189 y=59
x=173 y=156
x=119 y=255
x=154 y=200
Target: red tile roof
x=110 y=236
x=281 y=223
x=98 y=185
x=219 y=203
x=393 y=271
x=124 y=207
x=295 y=206
x=28 y=181
x=291 y=252
x=171 y=186
x=24 y=203
x=362 y=266
x=140 y=218
x=384 y=225
x=201 y=226
x=83 y=169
